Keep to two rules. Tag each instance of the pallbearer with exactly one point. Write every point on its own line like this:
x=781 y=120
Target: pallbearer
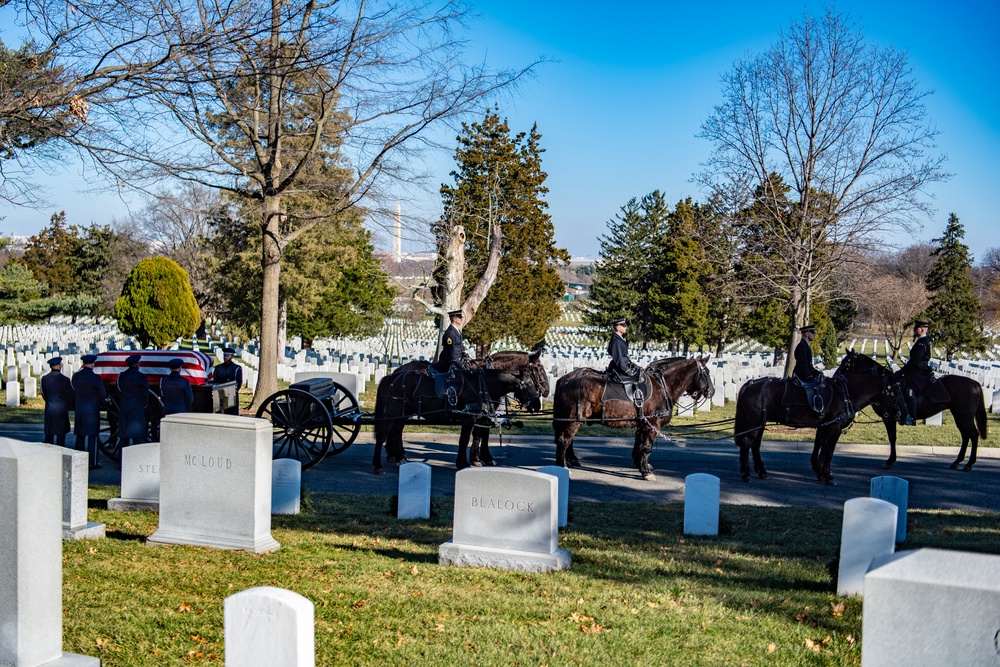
x=175 y=390
x=134 y=394
x=229 y=371
x=57 y=390
x=90 y=394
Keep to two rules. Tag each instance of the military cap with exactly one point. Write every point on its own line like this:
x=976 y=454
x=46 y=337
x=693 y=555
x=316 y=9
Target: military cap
x=456 y=313
x=132 y=359
x=88 y=358
x=176 y=363
x=809 y=328
x=228 y=350
x=921 y=323
x=54 y=361
x=621 y=321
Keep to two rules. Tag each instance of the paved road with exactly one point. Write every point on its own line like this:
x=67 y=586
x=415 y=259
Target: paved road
x=607 y=473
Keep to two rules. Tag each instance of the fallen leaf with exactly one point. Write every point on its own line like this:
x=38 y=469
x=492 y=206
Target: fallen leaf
x=719 y=570
x=184 y=608
x=591 y=629
x=837 y=609
x=813 y=645
x=771 y=648
x=101 y=641
x=414 y=570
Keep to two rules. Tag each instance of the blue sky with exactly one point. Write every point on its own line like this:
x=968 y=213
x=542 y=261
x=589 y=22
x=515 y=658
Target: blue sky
x=623 y=98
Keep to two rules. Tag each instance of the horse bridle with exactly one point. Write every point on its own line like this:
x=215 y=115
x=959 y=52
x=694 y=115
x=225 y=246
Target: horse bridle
x=877 y=369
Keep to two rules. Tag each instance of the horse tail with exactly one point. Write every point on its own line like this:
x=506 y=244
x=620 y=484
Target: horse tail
x=981 y=416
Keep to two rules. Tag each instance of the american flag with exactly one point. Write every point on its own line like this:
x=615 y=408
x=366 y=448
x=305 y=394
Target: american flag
x=155 y=364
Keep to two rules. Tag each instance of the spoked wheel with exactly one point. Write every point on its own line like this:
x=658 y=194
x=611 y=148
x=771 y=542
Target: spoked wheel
x=344 y=416
x=302 y=427
x=108 y=441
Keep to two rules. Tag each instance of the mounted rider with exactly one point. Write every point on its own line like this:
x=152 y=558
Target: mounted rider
x=622 y=368
x=916 y=373
x=452 y=347
x=807 y=375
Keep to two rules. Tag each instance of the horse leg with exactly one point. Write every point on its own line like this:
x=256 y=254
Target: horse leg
x=461 y=462
x=890 y=431
x=564 y=443
x=377 y=457
x=758 y=462
x=485 y=455
x=474 y=448
x=828 y=442
x=744 y=442
x=395 y=443
x=644 y=437
x=967 y=427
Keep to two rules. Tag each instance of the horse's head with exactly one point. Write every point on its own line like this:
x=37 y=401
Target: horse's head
x=532 y=384
x=701 y=386
x=857 y=368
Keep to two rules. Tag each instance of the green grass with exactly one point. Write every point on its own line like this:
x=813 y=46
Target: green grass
x=639 y=592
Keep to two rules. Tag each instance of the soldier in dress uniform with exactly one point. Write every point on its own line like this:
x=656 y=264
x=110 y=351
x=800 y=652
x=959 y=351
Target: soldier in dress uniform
x=621 y=365
x=229 y=371
x=57 y=390
x=134 y=394
x=90 y=394
x=175 y=390
x=452 y=348
x=916 y=373
x=809 y=377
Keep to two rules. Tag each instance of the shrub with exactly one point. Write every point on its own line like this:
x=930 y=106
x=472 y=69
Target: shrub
x=157 y=304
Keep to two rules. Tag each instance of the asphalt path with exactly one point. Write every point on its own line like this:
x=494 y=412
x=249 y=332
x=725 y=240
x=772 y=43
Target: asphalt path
x=607 y=473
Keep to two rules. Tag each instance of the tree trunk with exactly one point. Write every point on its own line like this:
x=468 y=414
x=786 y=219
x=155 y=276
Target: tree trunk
x=282 y=328
x=800 y=313
x=267 y=371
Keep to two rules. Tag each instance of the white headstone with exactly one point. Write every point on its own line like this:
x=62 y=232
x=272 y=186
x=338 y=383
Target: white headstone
x=701 y=504
x=31 y=558
x=286 y=486
x=12 y=374
x=934 y=420
x=269 y=627
x=215 y=482
x=896 y=491
x=75 y=480
x=505 y=518
x=685 y=406
x=414 y=491
x=562 y=474
x=140 y=486
x=13 y=394
x=719 y=397
x=996 y=401
x=868 y=531
x=930 y=607
x=30 y=387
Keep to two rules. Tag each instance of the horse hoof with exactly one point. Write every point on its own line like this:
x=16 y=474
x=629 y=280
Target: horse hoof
x=378 y=471
x=648 y=476
x=886 y=466
x=829 y=481
x=954 y=466
x=574 y=463
x=762 y=474
x=746 y=477
x=476 y=464
x=968 y=468
x=490 y=463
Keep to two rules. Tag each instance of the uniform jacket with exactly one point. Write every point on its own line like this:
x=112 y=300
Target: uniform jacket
x=176 y=393
x=57 y=390
x=804 y=369
x=917 y=370
x=134 y=394
x=451 y=347
x=90 y=394
x=228 y=371
x=618 y=351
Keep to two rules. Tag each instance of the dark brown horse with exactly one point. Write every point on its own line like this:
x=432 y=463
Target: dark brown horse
x=857 y=382
x=966 y=407
x=579 y=400
x=410 y=394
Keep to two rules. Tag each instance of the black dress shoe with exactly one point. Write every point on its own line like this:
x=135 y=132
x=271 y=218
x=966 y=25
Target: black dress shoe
x=96 y=466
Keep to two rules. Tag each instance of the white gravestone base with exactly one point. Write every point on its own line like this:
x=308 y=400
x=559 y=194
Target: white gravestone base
x=507 y=519
x=140 y=479
x=932 y=607
x=215 y=482
x=76 y=477
x=269 y=627
x=934 y=420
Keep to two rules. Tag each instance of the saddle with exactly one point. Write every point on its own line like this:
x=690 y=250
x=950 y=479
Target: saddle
x=631 y=388
x=447 y=384
x=817 y=395
x=933 y=393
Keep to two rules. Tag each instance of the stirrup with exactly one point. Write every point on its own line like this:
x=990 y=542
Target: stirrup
x=818 y=405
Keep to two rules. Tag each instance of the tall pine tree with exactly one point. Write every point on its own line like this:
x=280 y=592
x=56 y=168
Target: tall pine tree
x=499 y=181
x=954 y=311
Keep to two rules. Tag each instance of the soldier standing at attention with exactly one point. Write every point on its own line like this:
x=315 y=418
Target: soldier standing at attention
x=452 y=347
x=57 y=390
x=621 y=365
x=90 y=394
x=229 y=371
x=916 y=372
x=175 y=390
x=134 y=393
x=804 y=369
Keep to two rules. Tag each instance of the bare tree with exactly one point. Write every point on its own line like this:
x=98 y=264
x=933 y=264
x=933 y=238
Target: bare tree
x=280 y=86
x=825 y=134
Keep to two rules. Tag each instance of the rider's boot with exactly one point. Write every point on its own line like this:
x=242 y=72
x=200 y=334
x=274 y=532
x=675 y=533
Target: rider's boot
x=911 y=409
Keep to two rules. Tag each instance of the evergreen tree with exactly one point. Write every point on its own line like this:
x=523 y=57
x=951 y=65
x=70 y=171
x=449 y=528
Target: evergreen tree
x=49 y=255
x=954 y=311
x=677 y=307
x=157 y=304
x=768 y=322
x=102 y=262
x=499 y=181
x=623 y=273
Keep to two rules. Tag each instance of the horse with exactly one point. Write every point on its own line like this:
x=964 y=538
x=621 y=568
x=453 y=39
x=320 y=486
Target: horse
x=411 y=393
x=967 y=408
x=509 y=360
x=858 y=382
x=579 y=399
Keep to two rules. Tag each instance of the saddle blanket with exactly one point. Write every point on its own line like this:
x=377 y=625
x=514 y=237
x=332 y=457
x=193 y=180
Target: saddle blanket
x=615 y=391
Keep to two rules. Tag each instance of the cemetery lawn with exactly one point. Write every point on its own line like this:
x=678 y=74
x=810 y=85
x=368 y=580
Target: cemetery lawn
x=639 y=592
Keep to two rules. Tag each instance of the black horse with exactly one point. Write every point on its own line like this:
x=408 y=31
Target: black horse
x=409 y=394
x=580 y=399
x=858 y=381
x=967 y=408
